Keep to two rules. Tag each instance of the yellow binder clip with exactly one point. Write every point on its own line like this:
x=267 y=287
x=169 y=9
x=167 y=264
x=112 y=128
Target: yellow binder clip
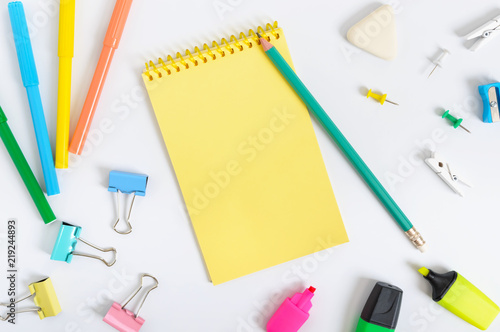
x=44 y=296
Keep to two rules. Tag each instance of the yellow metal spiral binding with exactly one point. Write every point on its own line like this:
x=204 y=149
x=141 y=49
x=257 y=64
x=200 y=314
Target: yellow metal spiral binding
x=234 y=40
x=164 y=66
x=202 y=57
x=227 y=46
x=263 y=33
x=191 y=58
x=244 y=39
x=272 y=27
x=207 y=48
x=172 y=62
x=181 y=60
x=148 y=73
x=253 y=35
x=218 y=49
x=153 y=67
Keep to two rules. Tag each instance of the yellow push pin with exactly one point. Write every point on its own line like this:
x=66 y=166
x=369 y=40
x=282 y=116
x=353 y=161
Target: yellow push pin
x=381 y=98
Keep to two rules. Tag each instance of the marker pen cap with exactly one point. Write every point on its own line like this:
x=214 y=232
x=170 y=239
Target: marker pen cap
x=456 y=294
x=381 y=311
x=292 y=313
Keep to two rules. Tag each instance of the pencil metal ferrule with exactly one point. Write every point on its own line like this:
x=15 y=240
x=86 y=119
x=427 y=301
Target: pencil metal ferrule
x=416 y=238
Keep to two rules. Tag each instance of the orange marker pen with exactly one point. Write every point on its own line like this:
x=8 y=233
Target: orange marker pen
x=111 y=42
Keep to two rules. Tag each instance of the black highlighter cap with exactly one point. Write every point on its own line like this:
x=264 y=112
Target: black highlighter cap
x=441 y=283
x=383 y=306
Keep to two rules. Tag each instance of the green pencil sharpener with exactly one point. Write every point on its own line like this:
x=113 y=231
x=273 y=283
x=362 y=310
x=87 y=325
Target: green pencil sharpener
x=456 y=294
x=381 y=311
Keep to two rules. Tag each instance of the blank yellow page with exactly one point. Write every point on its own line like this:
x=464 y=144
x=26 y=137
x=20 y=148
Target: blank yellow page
x=246 y=158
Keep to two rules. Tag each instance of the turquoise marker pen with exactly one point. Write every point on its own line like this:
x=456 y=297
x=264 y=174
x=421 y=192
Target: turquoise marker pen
x=30 y=82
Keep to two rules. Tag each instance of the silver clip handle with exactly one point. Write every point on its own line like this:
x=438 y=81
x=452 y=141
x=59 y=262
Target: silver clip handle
x=129 y=226
x=35 y=309
x=97 y=257
x=138 y=289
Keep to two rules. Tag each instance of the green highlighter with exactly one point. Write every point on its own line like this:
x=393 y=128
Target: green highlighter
x=381 y=311
x=456 y=294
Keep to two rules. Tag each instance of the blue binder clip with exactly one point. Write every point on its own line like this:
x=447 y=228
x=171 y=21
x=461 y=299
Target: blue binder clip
x=64 y=249
x=126 y=183
x=491 y=96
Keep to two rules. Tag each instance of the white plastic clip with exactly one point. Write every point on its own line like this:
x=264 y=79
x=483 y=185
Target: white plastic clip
x=445 y=172
x=484 y=33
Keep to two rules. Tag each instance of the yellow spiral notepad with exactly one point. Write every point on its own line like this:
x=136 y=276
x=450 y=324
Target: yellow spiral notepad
x=245 y=154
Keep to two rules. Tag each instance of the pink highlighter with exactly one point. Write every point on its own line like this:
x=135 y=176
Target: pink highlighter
x=292 y=313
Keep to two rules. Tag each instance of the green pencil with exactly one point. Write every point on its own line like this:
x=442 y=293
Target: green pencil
x=327 y=123
x=25 y=171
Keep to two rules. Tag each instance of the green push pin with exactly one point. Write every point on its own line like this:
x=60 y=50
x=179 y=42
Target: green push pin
x=456 y=122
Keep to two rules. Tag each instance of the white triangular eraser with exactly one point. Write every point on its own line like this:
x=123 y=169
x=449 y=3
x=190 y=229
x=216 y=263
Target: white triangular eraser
x=376 y=33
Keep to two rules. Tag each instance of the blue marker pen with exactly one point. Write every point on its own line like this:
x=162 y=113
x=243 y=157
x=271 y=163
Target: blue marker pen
x=30 y=81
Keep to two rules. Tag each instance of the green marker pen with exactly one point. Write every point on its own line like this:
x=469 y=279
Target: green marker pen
x=25 y=171
x=455 y=293
x=381 y=310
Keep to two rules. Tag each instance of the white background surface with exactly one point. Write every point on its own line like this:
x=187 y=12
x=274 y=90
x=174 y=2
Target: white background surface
x=462 y=233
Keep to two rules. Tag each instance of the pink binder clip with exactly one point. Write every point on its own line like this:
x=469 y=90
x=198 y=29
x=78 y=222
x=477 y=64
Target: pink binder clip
x=125 y=320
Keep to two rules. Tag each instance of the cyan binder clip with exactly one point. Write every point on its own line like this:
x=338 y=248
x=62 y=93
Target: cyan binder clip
x=126 y=183
x=490 y=95
x=44 y=296
x=124 y=320
x=64 y=249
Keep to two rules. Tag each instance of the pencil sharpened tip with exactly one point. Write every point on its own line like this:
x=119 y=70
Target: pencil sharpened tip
x=266 y=46
x=258 y=34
